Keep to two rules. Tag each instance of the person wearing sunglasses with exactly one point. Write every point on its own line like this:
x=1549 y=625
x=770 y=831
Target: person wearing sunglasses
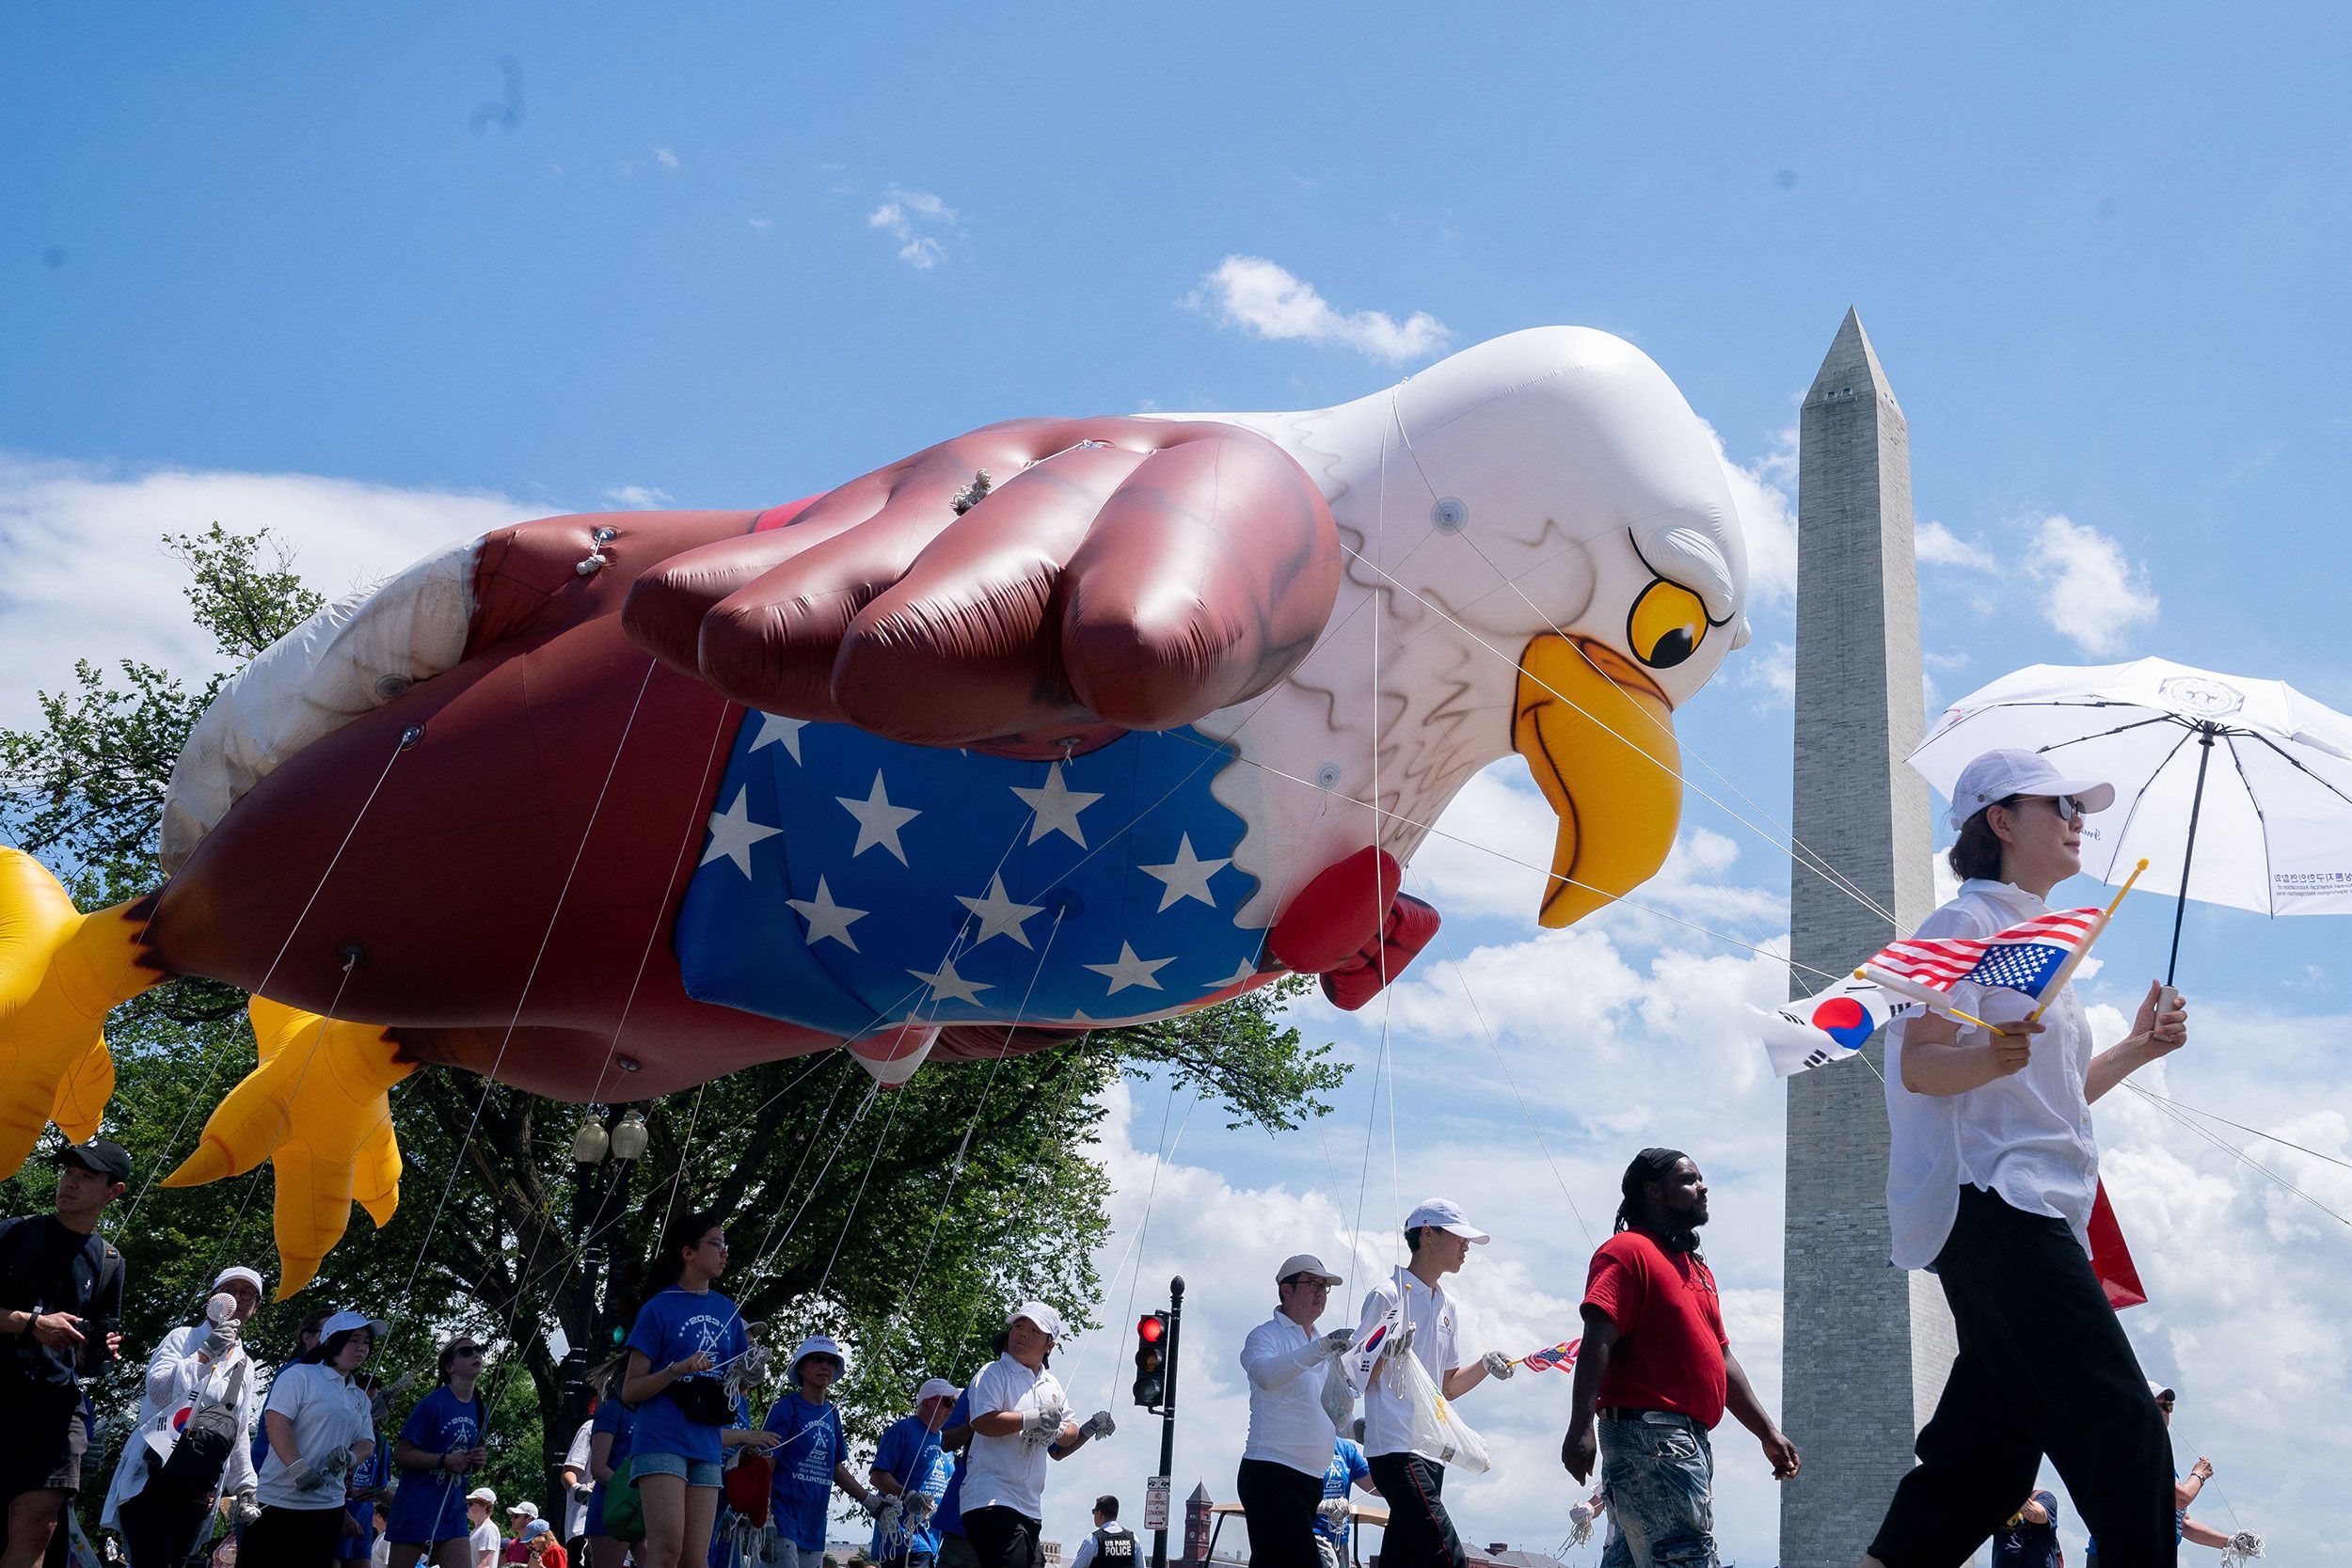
x=1992 y=1173
x=443 y=1441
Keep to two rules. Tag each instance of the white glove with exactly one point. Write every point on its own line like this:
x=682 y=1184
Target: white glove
x=1580 y=1524
x=1335 y=1343
x=1044 y=1426
x=920 y=1507
x=2244 y=1546
x=888 y=1512
x=243 y=1510
x=1498 y=1365
x=219 y=1343
x=1398 y=1344
x=1098 y=1425
x=584 y=1492
x=1333 y=1510
x=310 y=1476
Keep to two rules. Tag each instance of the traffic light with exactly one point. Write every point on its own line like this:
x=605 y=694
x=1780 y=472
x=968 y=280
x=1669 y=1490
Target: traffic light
x=1150 y=1359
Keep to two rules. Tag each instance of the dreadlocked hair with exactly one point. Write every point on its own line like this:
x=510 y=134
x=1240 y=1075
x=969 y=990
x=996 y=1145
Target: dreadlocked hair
x=1649 y=1166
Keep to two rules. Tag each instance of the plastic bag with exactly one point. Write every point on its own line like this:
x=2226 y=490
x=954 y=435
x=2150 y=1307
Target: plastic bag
x=1437 y=1432
x=1339 y=1394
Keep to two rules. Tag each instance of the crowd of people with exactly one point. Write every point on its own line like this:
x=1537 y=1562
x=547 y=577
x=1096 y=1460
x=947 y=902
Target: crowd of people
x=1991 y=1177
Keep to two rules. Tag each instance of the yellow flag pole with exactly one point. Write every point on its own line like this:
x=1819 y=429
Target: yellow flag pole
x=2066 y=970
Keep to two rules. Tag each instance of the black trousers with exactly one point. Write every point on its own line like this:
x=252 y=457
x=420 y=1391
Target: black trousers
x=1003 y=1537
x=1421 y=1533
x=293 y=1537
x=2045 y=1367
x=1280 y=1504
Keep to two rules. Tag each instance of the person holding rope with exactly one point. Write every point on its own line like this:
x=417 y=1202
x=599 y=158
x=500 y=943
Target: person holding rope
x=910 y=1467
x=1656 y=1371
x=156 y=1506
x=60 y=1299
x=2184 y=1492
x=1335 y=1526
x=812 y=1455
x=444 y=1440
x=1020 y=1418
x=318 y=1425
x=1291 y=1441
x=1992 y=1174
x=684 y=1335
x=1438 y=1240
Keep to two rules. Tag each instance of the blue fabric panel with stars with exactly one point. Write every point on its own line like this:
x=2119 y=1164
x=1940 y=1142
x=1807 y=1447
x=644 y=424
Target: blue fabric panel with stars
x=849 y=883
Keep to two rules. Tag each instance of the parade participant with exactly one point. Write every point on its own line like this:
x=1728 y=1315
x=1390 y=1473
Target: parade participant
x=318 y=1425
x=608 y=1449
x=481 y=1531
x=1420 y=1531
x=812 y=1455
x=1657 y=1371
x=201 y=1364
x=60 y=1299
x=1334 y=1526
x=1992 y=1173
x=2184 y=1492
x=911 y=1467
x=367 y=1480
x=306 y=1340
x=1019 y=1419
x=685 y=1336
x=444 y=1439
x=1112 y=1543
x=578 y=1488
x=955 y=1546
x=2030 y=1539
x=1290 y=1442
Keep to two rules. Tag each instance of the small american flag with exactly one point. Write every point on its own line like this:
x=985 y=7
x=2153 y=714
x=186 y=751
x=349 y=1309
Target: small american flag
x=1559 y=1358
x=2023 y=957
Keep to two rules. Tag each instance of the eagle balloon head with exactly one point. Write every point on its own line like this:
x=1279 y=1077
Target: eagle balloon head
x=1552 y=497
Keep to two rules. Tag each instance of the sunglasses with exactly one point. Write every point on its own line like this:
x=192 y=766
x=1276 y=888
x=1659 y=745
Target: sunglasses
x=465 y=1350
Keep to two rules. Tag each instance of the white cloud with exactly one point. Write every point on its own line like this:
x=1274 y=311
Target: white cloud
x=84 y=572
x=905 y=217
x=638 y=496
x=2092 y=592
x=1938 y=546
x=1764 y=495
x=1771 y=671
x=1267 y=300
x=666 y=158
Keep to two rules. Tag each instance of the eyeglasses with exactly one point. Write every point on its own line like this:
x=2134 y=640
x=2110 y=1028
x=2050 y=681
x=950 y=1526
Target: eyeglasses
x=2163 y=1404
x=465 y=1350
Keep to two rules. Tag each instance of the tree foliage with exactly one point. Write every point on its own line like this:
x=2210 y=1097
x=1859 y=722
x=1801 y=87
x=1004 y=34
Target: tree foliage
x=903 y=1222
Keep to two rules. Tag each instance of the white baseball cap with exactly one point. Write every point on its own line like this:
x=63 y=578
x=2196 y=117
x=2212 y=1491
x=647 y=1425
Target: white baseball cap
x=1444 y=1214
x=528 y=1509
x=482 y=1495
x=238 y=1270
x=1997 y=775
x=1047 y=1320
x=1308 y=1264
x=343 y=1322
x=936 y=1388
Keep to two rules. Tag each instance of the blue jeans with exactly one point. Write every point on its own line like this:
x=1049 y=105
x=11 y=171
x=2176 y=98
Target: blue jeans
x=1658 y=1474
x=694 y=1472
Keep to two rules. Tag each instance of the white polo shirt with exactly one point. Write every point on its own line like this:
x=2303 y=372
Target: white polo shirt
x=1008 y=1472
x=1437 y=1342
x=328 y=1416
x=2025 y=1137
x=1287 y=1425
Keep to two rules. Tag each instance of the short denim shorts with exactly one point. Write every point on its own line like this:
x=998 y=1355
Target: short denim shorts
x=694 y=1472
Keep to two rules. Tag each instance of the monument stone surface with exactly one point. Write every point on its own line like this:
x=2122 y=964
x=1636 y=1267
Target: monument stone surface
x=1866 y=1345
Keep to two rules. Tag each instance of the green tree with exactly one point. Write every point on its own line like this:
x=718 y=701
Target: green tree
x=903 y=1221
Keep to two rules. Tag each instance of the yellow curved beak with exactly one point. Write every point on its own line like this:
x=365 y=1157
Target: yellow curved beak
x=1598 y=735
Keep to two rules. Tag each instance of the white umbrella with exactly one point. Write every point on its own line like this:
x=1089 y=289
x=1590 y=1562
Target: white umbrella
x=2257 y=773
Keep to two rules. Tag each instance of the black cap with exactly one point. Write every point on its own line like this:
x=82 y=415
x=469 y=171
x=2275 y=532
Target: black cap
x=109 y=1159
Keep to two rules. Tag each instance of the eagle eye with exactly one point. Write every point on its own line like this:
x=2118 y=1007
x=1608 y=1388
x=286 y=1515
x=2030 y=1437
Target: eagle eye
x=1666 y=625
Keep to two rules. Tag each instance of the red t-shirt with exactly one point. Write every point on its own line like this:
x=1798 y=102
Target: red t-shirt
x=1669 y=1353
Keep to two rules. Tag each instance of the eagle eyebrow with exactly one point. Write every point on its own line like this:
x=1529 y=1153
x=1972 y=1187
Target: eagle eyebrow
x=1705 y=572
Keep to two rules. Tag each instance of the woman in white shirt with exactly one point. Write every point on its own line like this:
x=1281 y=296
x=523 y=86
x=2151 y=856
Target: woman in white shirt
x=193 y=1366
x=1992 y=1171
x=318 y=1427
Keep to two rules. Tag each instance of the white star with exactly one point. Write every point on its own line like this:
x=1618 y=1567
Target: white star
x=1248 y=971
x=878 y=820
x=1128 y=970
x=1187 y=875
x=1057 y=806
x=826 y=918
x=948 y=986
x=774 y=728
x=999 y=915
x=733 y=833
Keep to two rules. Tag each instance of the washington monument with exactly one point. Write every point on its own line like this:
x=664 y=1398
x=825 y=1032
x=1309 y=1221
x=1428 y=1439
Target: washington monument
x=1866 y=1345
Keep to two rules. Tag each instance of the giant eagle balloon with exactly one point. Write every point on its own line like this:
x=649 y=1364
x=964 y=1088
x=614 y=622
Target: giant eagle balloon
x=1059 y=724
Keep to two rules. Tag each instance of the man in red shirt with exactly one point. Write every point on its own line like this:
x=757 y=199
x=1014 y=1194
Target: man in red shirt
x=1656 y=1373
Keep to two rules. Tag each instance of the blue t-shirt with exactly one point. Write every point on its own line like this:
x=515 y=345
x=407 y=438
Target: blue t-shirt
x=813 y=1445
x=619 y=1419
x=910 y=1452
x=674 y=1325
x=1348 y=1465
x=949 y=1519
x=431 y=1504
x=365 y=1476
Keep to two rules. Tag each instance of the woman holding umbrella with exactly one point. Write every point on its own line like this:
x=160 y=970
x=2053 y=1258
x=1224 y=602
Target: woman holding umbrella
x=1992 y=1174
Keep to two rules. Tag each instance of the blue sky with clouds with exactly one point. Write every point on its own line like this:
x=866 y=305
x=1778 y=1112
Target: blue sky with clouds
x=342 y=270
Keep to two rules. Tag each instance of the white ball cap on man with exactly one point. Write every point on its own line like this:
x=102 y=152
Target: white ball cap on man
x=239 y=1272
x=1997 y=775
x=1305 y=1265
x=1443 y=1214
x=936 y=1388
x=484 y=1496
x=523 y=1511
x=1046 y=1320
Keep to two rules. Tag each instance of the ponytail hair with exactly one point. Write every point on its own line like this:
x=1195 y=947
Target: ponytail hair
x=679 y=1234
x=1977 y=853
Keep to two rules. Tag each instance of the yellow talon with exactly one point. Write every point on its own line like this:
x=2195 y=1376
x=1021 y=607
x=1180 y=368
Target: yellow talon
x=61 y=972
x=318 y=1107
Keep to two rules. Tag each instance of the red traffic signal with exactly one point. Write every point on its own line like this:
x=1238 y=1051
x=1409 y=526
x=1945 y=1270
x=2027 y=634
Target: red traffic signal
x=1149 y=1327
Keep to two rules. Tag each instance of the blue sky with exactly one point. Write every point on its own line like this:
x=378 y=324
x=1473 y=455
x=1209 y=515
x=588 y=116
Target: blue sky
x=312 y=266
